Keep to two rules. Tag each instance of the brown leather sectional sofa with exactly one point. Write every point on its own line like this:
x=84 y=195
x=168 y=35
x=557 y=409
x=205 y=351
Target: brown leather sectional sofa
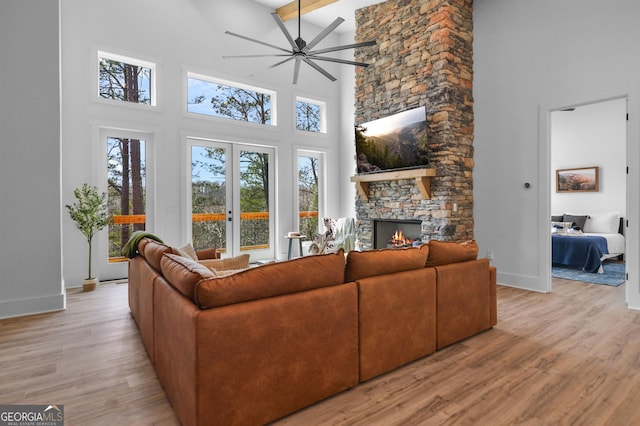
x=254 y=346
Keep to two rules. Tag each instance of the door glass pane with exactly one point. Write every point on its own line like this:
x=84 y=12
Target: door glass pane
x=254 y=200
x=308 y=195
x=209 y=197
x=126 y=176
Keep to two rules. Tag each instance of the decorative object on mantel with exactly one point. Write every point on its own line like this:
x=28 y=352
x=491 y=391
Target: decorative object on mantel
x=301 y=50
x=89 y=213
x=584 y=179
x=422 y=177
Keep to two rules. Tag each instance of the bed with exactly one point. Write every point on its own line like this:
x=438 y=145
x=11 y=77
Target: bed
x=587 y=240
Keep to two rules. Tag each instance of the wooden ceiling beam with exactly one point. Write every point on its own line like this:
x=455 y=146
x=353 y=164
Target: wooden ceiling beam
x=290 y=10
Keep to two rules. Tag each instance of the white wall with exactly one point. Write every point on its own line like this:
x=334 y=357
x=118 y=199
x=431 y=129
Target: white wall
x=591 y=135
x=30 y=256
x=181 y=36
x=531 y=58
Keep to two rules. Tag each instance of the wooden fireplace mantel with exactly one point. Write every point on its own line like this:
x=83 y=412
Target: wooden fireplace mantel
x=422 y=177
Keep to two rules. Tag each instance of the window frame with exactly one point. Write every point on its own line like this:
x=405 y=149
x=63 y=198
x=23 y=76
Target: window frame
x=153 y=83
x=231 y=83
x=321 y=155
x=323 y=115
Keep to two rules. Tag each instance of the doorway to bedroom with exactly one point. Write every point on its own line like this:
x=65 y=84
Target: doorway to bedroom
x=588 y=200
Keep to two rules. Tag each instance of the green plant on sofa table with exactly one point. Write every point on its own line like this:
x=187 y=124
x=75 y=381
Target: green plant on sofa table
x=89 y=212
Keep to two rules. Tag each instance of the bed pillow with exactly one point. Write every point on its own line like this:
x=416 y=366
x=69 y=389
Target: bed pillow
x=556 y=218
x=561 y=225
x=578 y=221
x=603 y=223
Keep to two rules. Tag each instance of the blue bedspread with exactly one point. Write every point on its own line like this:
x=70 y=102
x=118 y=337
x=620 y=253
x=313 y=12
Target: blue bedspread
x=583 y=251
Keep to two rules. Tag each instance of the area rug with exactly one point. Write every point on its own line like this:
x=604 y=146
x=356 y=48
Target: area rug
x=613 y=274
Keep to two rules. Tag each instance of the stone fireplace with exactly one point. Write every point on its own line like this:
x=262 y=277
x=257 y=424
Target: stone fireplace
x=423 y=57
x=396 y=233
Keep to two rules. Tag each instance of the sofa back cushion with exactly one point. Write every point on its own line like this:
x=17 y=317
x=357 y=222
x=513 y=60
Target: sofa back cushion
x=385 y=261
x=152 y=251
x=445 y=252
x=183 y=273
x=273 y=279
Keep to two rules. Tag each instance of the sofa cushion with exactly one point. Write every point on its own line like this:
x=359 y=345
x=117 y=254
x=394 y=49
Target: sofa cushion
x=445 y=252
x=273 y=279
x=363 y=264
x=152 y=251
x=183 y=273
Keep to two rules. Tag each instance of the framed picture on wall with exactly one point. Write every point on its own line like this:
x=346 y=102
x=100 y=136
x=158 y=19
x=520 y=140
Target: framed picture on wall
x=583 y=179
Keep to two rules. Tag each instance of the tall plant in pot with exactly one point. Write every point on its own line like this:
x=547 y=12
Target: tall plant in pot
x=89 y=212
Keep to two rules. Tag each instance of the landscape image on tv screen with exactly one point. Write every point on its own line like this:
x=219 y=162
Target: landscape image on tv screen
x=395 y=142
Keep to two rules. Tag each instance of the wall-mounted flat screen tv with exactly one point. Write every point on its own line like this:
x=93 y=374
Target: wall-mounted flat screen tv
x=395 y=142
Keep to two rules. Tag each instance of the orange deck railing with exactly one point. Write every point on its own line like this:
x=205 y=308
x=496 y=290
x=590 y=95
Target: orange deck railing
x=202 y=217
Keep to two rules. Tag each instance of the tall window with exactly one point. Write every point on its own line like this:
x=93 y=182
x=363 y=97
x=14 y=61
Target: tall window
x=310 y=115
x=230 y=100
x=309 y=184
x=209 y=197
x=126 y=192
x=126 y=79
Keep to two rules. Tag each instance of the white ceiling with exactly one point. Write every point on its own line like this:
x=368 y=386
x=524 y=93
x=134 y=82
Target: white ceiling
x=325 y=15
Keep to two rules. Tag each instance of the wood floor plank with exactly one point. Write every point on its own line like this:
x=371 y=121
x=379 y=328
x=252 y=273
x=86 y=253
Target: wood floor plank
x=569 y=357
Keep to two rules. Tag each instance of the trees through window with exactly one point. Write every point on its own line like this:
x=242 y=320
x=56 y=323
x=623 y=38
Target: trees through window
x=310 y=115
x=126 y=191
x=309 y=182
x=234 y=101
x=126 y=79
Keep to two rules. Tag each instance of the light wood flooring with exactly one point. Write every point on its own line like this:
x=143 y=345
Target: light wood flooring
x=570 y=357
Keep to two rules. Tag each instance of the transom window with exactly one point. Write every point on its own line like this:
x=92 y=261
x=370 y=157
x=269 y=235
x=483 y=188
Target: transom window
x=236 y=101
x=126 y=79
x=310 y=115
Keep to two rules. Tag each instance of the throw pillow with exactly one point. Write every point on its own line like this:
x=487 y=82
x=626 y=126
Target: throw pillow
x=578 y=221
x=228 y=263
x=363 y=264
x=445 y=252
x=187 y=251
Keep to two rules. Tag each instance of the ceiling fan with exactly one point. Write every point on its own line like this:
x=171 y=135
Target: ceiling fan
x=301 y=51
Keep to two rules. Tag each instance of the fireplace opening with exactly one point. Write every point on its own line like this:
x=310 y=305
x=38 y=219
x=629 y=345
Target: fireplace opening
x=396 y=233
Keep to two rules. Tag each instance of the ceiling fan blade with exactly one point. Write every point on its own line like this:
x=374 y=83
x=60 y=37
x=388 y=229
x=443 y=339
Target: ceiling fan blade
x=282 y=62
x=284 y=30
x=254 y=56
x=257 y=41
x=343 y=47
x=339 y=61
x=323 y=34
x=296 y=70
x=319 y=69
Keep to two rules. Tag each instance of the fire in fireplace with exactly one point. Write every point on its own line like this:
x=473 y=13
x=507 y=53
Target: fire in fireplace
x=398 y=240
x=396 y=233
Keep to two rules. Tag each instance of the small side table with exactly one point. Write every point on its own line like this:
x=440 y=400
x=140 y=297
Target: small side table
x=295 y=237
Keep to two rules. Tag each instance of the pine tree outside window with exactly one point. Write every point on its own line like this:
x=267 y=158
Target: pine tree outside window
x=126 y=79
x=310 y=115
x=218 y=98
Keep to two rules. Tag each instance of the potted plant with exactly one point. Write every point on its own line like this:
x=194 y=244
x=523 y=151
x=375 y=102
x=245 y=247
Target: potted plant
x=89 y=213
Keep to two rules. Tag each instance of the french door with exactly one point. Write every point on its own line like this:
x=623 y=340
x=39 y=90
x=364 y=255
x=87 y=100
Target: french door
x=231 y=198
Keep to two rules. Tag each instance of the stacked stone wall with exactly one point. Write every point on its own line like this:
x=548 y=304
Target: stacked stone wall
x=423 y=57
